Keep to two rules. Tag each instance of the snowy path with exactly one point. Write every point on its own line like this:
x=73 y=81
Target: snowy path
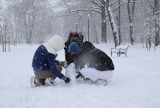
x=135 y=84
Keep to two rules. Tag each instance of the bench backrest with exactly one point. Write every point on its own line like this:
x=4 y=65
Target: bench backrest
x=122 y=47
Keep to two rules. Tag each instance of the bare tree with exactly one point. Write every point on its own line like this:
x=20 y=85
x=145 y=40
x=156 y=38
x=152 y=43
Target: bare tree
x=0 y=24
x=119 y=22
x=154 y=5
x=112 y=23
x=31 y=20
x=147 y=33
x=131 y=9
x=30 y=16
x=97 y=6
x=95 y=38
x=156 y=12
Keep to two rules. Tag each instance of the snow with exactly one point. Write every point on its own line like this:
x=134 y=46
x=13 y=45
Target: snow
x=135 y=82
x=94 y=74
x=71 y=73
x=3 y=4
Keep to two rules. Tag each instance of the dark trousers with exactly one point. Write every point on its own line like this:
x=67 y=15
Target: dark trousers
x=45 y=74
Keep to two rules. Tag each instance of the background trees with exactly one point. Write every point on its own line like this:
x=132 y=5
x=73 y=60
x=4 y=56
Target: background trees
x=29 y=21
x=107 y=21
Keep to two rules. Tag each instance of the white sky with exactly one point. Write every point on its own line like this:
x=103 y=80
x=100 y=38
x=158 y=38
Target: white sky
x=3 y=3
x=53 y=3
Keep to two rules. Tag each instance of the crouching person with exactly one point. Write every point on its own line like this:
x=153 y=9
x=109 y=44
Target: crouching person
x=75 y=55
x=100 y=66
x=45 y=66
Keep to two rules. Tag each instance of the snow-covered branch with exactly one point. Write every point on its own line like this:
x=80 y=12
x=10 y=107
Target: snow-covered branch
x=83 y=10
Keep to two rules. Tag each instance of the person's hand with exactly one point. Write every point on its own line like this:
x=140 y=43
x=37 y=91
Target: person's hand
x=63 y=63
x=66 y=80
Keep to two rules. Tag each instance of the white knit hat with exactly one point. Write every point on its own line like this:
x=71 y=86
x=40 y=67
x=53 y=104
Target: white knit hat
x=56 y=43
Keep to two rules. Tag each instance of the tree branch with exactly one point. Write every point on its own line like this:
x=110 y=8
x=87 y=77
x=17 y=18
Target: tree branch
x=95 y=3
x=118 y=6
x=113 y=3
x=150 y=5
x=82 y=10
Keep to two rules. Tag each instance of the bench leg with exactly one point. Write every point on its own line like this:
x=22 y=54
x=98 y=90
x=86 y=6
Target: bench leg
x=126 y=54
x=118 y=54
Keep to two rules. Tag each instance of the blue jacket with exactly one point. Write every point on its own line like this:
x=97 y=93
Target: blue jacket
x=43 y=61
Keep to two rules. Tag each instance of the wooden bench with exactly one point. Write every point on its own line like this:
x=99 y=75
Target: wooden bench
x=122 y=49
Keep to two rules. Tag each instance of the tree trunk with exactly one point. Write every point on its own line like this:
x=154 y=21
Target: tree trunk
x=148 y=40
x=157 y=29
x=104 y=26
x=131 y=32
x=119 y=23
x=26 y=28
x=3 y=43
x=131 y=8
x=0 y=34
x=112 y=23
x=95 y=39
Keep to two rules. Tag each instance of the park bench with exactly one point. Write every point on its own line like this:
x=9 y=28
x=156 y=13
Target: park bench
x=122 y=49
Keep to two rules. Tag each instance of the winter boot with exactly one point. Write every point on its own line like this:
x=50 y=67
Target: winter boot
x=49 y=81
x=35 y=82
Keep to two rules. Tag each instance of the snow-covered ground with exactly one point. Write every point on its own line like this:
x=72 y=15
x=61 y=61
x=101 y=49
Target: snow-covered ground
x=135 y=83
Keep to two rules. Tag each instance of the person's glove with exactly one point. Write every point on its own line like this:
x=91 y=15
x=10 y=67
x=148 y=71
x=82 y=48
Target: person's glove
x=66 y=80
